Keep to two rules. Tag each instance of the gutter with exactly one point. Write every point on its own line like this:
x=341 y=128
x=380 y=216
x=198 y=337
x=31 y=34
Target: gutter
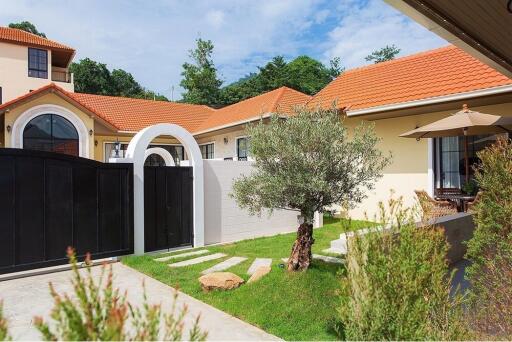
x=236 y=123
x=431 y=100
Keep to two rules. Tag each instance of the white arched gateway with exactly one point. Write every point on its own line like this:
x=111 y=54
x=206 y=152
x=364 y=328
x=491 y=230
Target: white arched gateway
x=136 y=153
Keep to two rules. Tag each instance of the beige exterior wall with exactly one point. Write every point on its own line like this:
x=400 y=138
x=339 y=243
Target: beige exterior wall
x=410 y=161
x=48 y=99
x=224 y=150
x=14 y=78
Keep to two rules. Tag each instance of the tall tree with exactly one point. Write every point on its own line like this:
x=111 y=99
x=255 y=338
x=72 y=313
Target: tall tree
x=308 y=163
x=335 y=67
x=386 y=53
x=307 y=75
x=200 y=77
x=124 y=84
x=27 y=26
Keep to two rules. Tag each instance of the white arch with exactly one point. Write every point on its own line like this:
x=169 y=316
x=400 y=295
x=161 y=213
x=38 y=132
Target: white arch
x=136 y=152
x=162 y=152
x=21 y=122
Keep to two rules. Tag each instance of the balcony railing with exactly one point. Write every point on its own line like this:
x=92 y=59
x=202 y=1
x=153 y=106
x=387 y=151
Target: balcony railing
x=62 y=76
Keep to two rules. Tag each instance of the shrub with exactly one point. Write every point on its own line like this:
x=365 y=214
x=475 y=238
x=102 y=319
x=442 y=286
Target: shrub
x=490 y=249
x=396 y=285
x=4 y=333
x=100 y=312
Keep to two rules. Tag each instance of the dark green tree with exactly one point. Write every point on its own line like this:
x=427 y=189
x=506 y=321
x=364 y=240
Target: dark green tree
x=386 y=53
x=27 y=26
x=200 y=77
x=335 y=68
x=307 y=75
x=92 y=77
x=124 y=84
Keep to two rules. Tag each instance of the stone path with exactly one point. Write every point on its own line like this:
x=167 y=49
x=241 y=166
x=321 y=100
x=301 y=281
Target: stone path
x=176 y=256
x=324 y=258
x=198 y=260
x=224 y=265
x=257 y=263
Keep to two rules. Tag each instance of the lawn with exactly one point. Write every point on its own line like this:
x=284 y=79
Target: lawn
x=293 y=306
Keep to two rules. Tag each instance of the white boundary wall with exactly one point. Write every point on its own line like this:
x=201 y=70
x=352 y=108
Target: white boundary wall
x=224 y=221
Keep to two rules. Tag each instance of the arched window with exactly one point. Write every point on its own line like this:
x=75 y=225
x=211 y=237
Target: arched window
x=51 y=132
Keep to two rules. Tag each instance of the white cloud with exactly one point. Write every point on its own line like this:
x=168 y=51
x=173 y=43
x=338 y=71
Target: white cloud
x=215 y=18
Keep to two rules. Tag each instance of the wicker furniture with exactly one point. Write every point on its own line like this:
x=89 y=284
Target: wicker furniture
x=433 y=208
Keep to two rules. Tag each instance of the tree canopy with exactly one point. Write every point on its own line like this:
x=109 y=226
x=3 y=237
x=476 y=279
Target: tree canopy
x=200 y=80
x=307 y=163
x=386 y=53
x=95 y=78
x=27 y=26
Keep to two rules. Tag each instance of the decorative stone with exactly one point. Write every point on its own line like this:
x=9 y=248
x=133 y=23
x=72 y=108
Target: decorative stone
x=220 y=281
x=260 y=273
x=198 y=260
x=329 y=259
x=224 y=265
x=176 y=256
x=257 y=263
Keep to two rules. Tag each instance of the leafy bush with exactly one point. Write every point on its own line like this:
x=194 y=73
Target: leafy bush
x=100 y=312
x=490 y=249
x=396 y=286
x=4 y=333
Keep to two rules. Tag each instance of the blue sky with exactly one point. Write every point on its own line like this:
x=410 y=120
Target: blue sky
x=151 y=39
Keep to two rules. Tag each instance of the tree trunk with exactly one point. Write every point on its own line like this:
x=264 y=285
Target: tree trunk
x=300 y=258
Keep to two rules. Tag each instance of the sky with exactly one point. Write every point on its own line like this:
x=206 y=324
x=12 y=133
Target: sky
x=151 y=38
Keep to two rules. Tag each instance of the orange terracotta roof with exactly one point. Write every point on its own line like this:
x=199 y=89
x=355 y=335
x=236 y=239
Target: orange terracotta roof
x=439 y=72
x=135 y=114
x=18 y=36
x=281 y=100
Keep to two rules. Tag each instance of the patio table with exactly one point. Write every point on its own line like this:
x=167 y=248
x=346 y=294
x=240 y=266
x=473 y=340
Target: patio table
x=460 y=199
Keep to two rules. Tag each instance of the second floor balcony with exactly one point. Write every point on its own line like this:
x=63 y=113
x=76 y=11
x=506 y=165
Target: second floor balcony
x=61 y=75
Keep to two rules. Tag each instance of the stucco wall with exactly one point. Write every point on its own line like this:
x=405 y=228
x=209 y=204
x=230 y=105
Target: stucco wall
x=410 y=158
x=224 y=150
x=14 y=78
x=224 y=220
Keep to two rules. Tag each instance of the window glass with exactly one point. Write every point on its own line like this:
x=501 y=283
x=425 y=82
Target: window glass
x=53 y=133
x=242 y=148
x=37 y=63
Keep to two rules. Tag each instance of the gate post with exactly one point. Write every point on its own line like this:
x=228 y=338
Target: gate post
x=136 y=153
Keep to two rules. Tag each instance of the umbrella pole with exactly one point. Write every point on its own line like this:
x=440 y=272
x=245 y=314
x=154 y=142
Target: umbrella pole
x=466 y=159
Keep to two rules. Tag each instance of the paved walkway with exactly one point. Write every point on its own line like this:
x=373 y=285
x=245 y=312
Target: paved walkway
x=27 y=297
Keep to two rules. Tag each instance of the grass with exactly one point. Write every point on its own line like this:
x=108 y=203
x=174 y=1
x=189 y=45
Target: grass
x=293 y=306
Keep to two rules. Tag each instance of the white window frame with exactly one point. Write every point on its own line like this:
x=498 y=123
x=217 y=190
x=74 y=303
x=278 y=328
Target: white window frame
x=209 y=143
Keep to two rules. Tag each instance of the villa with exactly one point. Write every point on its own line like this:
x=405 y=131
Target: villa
x=396 y=96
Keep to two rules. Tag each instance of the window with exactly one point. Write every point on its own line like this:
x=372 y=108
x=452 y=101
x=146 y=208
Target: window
x=207 y=151
x=449 y=167
x=37 y=63
x=242 y=148
x=1 y=95
x=177 y=152
x=51 y=132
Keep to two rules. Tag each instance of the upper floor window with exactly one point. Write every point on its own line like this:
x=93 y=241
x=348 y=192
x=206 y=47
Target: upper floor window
x=242 y=148
x=207 y=151
x=53 y=133
x=37 y=63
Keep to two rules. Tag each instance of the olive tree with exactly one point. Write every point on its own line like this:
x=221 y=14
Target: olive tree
x=307 y=162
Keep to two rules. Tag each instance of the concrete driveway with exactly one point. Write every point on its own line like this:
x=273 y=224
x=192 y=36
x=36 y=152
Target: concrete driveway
x=25 y=298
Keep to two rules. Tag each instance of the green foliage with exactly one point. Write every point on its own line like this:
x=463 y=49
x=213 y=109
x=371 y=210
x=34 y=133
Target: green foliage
x=200 y=78
x=92 y=77
x=384 y=54
x=4 y=331
x=100 y=312
x=396 y=287
x=304 y=74
x=307 y=162
x=27 y=26
x=470 y=187
x=490 y=249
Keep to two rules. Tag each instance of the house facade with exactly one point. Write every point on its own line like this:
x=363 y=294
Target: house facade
x=395 y=96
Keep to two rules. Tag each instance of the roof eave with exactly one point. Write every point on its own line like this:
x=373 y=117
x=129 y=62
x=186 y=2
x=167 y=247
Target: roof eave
x=237 y=123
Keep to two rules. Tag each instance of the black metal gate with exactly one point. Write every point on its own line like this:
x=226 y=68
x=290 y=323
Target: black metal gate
x=168 y=209
x=49 y=201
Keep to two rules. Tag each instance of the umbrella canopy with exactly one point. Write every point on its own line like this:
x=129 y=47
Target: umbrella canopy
x=464 y=122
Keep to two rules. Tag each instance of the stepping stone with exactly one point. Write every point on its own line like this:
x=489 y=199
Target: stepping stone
x=257 y=263
x=176 y=256
x=329 y=259
x=198 y=260
x=224 y=265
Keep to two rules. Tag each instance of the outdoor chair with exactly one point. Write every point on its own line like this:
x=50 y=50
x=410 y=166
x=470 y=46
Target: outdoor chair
x=434 y=208
x=471 y=206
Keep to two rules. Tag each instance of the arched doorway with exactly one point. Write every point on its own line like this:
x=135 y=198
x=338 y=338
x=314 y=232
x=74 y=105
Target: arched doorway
x=136 y=153
x=52 y=133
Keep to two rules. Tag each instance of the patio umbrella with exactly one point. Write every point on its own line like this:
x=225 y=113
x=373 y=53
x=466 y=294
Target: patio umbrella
x=465 y=122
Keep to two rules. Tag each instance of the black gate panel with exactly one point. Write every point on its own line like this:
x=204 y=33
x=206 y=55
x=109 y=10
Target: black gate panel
x=49 y=201
x=168 y=207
